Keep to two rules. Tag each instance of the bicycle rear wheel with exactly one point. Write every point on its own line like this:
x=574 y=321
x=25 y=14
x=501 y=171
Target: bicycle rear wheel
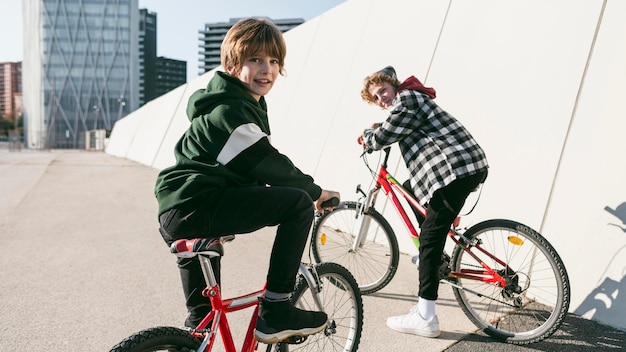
x=374 y=262
x=536 y=298
x=162 y=338
x=342 y=301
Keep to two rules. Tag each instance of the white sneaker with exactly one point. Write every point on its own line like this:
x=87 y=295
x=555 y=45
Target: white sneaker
x=413 y=323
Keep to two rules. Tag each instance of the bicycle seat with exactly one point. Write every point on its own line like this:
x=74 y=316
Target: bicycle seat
x=189 y=248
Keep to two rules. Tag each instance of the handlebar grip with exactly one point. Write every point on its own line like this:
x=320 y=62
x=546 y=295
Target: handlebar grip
x=332 y=202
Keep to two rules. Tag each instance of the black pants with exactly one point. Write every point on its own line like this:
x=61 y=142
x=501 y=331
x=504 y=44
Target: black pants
x=443 y=208
x=238 y=211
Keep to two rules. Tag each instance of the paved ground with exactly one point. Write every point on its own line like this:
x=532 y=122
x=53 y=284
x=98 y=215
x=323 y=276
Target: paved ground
x=83 y=266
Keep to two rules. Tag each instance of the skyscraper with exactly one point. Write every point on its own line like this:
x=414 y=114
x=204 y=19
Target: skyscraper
x=80 y=68
x=147 y=55
x=170 y=74
x=157 y=75
x=10 y=90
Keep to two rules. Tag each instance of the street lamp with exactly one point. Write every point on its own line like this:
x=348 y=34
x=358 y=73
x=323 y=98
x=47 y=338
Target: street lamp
x=122 y=103
x=96 y=109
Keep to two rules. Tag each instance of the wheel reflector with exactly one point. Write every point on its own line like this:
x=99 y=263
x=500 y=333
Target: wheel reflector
x=516 y=240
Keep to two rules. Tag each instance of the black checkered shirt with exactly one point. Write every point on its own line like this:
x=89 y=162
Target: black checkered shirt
x=436 y=148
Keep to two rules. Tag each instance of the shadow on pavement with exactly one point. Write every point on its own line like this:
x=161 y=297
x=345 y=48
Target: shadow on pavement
x=576 y=334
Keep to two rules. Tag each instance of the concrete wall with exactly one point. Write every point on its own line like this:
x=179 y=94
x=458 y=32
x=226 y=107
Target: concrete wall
x=539 y=83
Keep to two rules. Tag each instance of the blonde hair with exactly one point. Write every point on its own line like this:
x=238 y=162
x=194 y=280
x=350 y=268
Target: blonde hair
x=249 y=37
x=376 y=78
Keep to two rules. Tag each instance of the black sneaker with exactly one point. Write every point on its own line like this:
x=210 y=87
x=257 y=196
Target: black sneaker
x=280 y=320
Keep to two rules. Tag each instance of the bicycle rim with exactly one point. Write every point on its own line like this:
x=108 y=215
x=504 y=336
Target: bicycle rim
x=342 y=302
x=536 y=299
x=374 y=263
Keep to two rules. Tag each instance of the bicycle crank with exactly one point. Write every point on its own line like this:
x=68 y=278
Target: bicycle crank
x=294 y=340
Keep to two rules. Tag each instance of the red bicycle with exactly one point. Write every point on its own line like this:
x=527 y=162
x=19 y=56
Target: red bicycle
x=327 y=287
x=507 y=278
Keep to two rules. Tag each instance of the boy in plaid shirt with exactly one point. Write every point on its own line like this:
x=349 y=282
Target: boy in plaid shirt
x=445 y=164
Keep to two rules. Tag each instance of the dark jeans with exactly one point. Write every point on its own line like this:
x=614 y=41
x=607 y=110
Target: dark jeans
x=238 y=211
x=443 y=208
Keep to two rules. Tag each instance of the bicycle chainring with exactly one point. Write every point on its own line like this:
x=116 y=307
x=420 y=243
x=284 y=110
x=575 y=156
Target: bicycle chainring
x=444 y=268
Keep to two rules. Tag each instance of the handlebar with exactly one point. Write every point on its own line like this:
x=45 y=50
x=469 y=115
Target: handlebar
x=332 y=202
x=386 y=150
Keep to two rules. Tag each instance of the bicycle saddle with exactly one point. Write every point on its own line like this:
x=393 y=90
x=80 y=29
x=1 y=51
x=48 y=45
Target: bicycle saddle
x=211 y=247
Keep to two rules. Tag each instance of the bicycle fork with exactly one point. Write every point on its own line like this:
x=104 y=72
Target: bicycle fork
x=314 y=282
x=362 y=221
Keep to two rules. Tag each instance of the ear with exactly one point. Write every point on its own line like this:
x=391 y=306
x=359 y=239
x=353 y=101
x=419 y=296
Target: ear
x=231 y=70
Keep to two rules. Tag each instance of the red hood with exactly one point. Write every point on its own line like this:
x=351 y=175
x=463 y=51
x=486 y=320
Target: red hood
x=415 y=84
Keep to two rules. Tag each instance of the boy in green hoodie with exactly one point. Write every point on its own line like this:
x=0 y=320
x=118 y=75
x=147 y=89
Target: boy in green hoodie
x=229 y=179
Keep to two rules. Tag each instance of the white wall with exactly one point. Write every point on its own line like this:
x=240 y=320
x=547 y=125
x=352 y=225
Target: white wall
x=539 y=83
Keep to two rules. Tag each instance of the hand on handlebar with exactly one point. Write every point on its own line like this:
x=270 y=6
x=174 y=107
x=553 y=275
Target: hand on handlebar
x=327 y=200
x=360 y=140
x=366 y=149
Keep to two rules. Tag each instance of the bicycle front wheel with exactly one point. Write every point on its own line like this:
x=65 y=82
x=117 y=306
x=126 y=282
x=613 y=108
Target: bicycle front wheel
x=341 y=299
x=374 y=261
x=162 y=338
x=536 y=298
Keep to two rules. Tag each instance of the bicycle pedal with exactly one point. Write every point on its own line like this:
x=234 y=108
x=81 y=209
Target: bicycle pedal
x=295 y=340
x=416 y=261
x=198 y=331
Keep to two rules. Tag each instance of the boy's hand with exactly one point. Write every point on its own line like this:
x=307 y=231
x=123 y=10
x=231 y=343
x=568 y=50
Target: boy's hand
x=326 y=195
x=372 y=127
x=360 y=139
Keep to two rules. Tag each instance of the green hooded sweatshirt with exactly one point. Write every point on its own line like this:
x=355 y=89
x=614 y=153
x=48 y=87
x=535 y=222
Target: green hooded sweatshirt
x=226 y=145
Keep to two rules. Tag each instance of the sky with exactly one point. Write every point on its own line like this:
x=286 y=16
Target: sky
x=178 y=22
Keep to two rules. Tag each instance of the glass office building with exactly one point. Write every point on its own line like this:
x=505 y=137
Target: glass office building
x=80 y=69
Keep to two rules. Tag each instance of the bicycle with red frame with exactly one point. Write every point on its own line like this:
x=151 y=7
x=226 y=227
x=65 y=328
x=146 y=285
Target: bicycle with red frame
x=326 y=287
x=507 y=278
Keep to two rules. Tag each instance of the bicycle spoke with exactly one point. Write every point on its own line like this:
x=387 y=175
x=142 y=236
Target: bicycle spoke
x=341 y=300
x=373 y=263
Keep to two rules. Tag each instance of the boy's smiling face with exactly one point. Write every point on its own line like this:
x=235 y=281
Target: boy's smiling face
x=383 y=94
x=258 y=73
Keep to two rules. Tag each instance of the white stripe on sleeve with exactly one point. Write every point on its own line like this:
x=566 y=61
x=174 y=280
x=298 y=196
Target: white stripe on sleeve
x=241 y=138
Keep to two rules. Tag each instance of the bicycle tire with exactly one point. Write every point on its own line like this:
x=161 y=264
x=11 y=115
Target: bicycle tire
x=341 y=298
x=535 y=300
x=374 y=263
x=162 y=338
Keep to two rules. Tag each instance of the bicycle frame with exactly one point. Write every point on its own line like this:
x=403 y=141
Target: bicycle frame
x=217 y=318
x=394 y=190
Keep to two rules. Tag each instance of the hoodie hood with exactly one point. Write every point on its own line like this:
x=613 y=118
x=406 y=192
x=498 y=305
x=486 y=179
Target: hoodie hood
x=413 y=83
x=220 y=89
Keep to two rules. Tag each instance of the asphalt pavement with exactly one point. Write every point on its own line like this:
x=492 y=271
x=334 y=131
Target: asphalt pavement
x=83 y=266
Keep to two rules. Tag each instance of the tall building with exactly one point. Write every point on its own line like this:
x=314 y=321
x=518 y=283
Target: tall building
x=213 y=34
x=170 y=74
x=10 y=90
x=80 y=68
x=147 y=56
x=157 y=75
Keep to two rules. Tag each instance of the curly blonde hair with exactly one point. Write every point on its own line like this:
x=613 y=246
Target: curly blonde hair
x=376 y=78
x=250 y=36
